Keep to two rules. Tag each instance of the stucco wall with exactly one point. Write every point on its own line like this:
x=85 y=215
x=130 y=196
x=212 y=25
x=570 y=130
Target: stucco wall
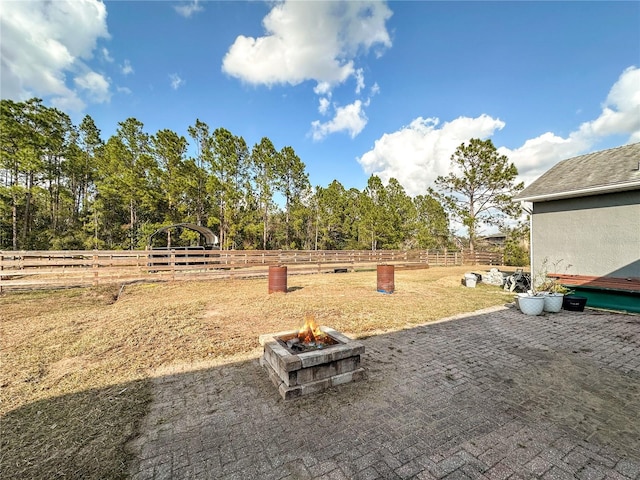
x=598 y=235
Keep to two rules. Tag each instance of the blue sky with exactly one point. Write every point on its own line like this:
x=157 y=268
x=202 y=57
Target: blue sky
x=354 y=87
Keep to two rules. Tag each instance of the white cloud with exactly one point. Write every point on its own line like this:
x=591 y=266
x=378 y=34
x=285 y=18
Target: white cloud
x=69 y=102
x=106 y=55
x=176 y=81
x=621 y=110
x=317 y=41
x=96 y=86
x=416 y=154
x=322 y=88
x=539 y=154
x=359 y=80
x=350 y=118
x=125 y=90
x=323 y=108
x=309 y=41
x=44 y=43
x=189 y=9
x=620 y=116
x=126 y=68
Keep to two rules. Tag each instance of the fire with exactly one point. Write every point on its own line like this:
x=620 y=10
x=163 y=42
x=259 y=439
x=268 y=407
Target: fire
x=310 y=331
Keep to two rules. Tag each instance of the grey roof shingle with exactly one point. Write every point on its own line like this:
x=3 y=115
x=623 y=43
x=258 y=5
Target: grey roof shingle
x=616 y=169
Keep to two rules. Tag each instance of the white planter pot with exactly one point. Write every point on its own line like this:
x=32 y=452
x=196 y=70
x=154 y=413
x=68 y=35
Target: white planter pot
x=553 y=302
x=470 y=280
x=531 y=305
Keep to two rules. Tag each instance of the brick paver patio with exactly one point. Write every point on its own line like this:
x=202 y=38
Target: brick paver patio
x=495 y=394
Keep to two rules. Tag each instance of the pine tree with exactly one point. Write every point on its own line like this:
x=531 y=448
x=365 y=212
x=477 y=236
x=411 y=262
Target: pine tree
x=480 y=187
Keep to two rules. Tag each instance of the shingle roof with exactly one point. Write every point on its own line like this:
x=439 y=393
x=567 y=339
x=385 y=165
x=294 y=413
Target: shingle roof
x=616 y=169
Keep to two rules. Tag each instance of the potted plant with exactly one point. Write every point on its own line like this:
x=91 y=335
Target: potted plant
x=545 y=294
x=553 y=294
x=549 y=288
x=530 y=303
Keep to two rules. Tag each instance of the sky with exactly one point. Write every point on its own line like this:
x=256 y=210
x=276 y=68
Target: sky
x=356 y=88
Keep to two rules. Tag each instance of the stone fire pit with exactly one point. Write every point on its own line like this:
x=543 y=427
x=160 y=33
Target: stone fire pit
x=297 y=373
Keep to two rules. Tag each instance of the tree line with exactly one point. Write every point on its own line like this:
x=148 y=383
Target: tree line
x=63 y=187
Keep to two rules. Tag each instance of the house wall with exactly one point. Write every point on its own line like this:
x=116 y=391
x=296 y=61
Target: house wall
x=597 y=235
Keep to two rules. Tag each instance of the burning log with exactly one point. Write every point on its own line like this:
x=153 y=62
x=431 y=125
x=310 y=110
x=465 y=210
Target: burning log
x=309 y=338
x=310 y=331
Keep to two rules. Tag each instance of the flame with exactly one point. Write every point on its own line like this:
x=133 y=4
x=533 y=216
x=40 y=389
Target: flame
x=310 y=331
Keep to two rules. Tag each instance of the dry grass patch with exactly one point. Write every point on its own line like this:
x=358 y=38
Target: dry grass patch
x=76 y=363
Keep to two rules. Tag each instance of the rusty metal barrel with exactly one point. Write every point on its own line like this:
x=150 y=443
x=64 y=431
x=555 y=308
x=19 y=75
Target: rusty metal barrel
x=277 y=278
x=386 y=282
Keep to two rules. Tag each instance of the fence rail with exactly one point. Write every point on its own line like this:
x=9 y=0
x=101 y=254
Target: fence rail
x=57 y=269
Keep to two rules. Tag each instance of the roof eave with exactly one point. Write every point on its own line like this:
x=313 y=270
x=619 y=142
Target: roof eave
x=584 y=192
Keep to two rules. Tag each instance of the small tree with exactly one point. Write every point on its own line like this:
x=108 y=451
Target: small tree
x=516 y=247
x=432 y=223
x=480 y=187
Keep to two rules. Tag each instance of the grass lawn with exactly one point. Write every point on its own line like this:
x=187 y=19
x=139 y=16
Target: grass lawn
x=76 y=364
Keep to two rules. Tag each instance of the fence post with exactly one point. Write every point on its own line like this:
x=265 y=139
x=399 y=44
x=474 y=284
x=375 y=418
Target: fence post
x=94 y=266
x=173 y=264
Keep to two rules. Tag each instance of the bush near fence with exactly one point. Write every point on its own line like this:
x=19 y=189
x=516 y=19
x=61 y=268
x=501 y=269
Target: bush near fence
x=70 y=268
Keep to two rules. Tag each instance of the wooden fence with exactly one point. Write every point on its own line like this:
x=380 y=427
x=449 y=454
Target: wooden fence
x=58 y=269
